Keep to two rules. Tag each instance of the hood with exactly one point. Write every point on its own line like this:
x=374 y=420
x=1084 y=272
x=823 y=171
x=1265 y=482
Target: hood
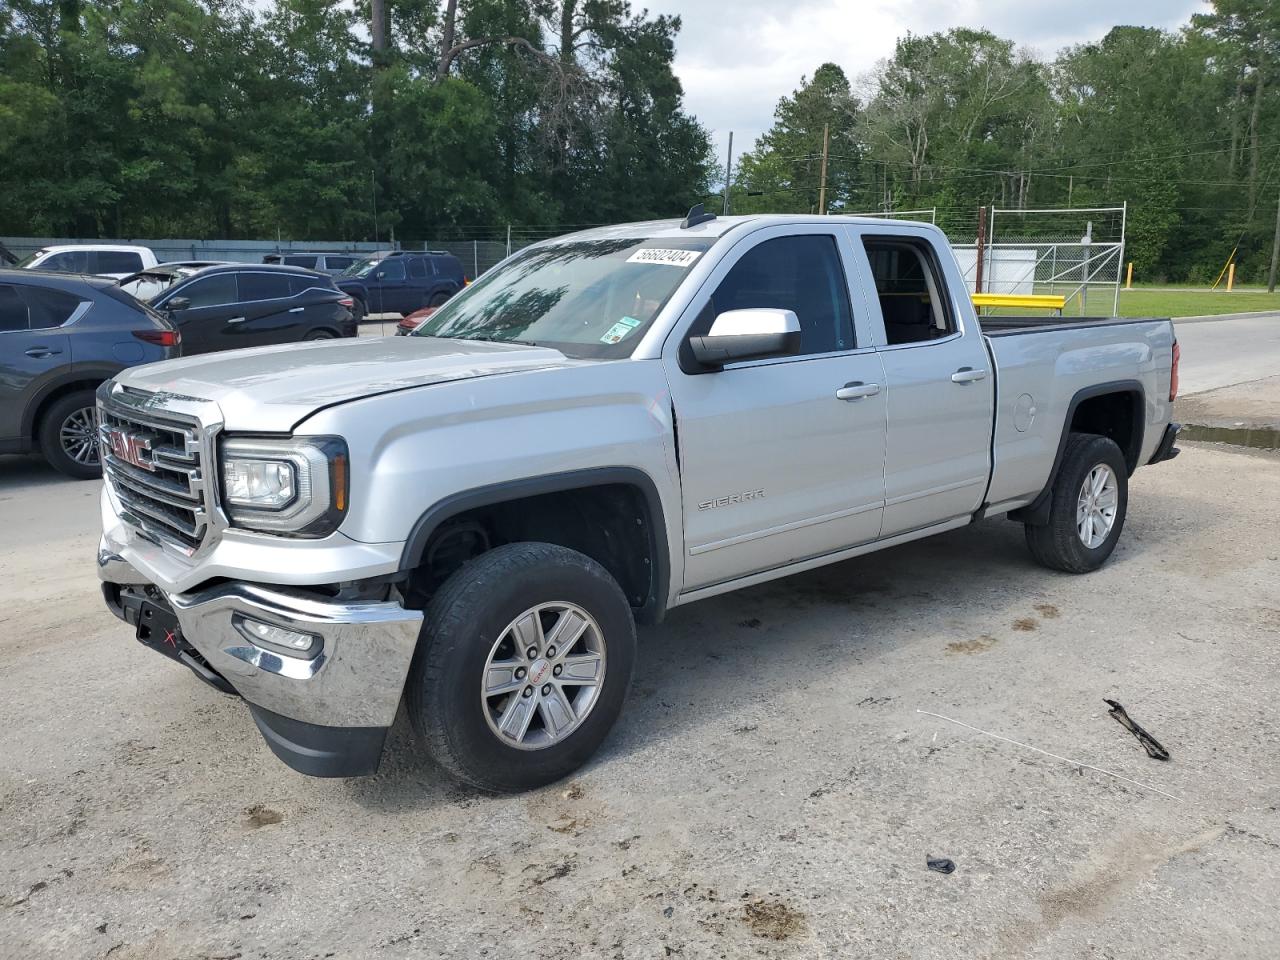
x=271 y=389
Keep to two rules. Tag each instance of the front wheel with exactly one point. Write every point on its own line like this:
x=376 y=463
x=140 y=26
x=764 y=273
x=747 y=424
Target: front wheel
x=69 y=435
x=522 y=666
x=1087 y=506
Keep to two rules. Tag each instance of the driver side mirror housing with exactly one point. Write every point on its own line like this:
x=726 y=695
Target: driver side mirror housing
x=177 y=303
x=753 y=334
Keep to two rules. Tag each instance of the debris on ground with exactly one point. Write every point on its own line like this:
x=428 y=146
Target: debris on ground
x=940 y=864
x=1154 y=750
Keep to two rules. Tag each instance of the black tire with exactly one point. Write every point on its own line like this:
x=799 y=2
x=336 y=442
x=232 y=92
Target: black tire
x=358 y=309
x=1058 y=544
x=64 y=411
x=321 y=335
x=464 y=621
x=439 y=300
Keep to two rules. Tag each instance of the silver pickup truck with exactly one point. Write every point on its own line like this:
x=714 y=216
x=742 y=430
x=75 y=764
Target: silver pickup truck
x=607 y=425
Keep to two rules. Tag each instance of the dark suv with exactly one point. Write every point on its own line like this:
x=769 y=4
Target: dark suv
x=403 y=281
x=60 y=337
x=249 y=305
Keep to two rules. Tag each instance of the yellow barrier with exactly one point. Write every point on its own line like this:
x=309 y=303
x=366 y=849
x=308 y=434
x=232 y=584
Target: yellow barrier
x=1031 y=301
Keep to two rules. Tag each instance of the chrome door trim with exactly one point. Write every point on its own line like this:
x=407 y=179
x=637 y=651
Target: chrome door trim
x=782 y=528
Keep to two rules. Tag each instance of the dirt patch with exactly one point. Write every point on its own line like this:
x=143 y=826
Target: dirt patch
x=772 y=919
x=575 y=792
x=259 y=816
x=1048 y=611
x=1026 y=624
x=976 y=645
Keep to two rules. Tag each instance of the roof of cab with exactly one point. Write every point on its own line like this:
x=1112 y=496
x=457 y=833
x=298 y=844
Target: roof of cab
x=718 y=227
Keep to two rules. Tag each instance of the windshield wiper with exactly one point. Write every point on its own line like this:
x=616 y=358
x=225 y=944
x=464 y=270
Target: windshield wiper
x=489 y=339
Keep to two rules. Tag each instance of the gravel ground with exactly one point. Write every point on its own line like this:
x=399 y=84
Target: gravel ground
x=772 y=788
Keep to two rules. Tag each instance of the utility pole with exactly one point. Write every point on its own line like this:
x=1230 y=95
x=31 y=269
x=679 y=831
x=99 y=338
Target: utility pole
x=1275 y=253
x=728 y=174
x=1071 y=182
x=982 y=245
x=822 y=189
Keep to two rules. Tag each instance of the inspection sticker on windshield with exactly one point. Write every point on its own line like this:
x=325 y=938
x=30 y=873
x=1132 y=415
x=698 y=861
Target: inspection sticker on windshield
x=672 y=258
x=619 y=330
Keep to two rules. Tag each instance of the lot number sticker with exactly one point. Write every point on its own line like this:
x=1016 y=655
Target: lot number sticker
x=670 y=258
x=619 y=330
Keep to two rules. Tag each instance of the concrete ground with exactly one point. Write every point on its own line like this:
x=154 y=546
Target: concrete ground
x=771 y=790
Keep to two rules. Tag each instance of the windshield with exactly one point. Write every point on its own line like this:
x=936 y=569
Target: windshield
x=29 y=259
x=361 y=268
x=585 y=298
x=147 y=286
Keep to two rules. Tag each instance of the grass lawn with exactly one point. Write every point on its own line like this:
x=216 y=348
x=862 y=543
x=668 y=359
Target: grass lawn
x=1173 y=302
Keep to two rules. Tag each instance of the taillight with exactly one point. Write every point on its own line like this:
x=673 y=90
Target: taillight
x=161 y=338
x=347 y=302
x=1173 y=372
x=466 y=281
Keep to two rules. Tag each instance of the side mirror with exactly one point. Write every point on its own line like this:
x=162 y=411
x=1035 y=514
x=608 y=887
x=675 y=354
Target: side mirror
x=381 y=274
x=748 y=335
x=177 y=303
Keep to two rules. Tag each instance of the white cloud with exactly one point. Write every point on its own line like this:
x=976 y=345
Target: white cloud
x=736 y=59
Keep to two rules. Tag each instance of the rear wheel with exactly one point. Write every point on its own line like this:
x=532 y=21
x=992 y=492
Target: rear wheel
x=1087 y=507
x=320 y=335
x=522 y=666
x=439 y=300
x=358 y=309
x=68 y=435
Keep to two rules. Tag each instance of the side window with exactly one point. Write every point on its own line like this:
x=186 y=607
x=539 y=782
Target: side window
x=338 y=263
x=264 y=286
x=69 y=261
x=114 y=261
x=299 y=261
x=910 y=290
x=802 y=274
x=13 y=310
x=391 y=270
x=418 y=268
x=49 y=308
x=299 y=284
x=210 y=291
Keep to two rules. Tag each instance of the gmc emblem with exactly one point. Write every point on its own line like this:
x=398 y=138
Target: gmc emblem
x=128 y=447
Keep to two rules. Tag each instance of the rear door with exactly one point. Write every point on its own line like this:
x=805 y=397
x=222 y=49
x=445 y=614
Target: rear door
x=940 y=385
x=775 y=467
x=271 y=311
x=422 y=279
x=32 y=349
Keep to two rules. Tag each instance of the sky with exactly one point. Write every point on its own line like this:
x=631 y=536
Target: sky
x=736 y=58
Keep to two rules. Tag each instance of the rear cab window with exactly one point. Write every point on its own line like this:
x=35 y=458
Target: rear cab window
x=114 y=261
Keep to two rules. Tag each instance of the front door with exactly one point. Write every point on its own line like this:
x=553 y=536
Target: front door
x=212 y=307
x=775 y=467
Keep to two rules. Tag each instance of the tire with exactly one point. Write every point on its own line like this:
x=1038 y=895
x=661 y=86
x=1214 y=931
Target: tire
x=439 y=300
x=320 y=335
x=1060 y=544
x=466 y=626
x=66 y=419
x=358 y=310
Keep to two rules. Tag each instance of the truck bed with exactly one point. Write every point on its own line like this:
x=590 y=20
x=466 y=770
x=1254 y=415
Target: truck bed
x=1010 y=326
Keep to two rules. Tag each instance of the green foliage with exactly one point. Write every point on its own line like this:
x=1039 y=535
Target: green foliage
x=233 y=118
x=1183 y=127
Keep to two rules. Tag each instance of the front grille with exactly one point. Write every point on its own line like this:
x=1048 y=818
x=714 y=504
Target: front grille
x=168 y=503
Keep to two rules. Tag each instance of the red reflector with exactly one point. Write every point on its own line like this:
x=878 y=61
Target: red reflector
x=162 y=338
x=1173 y=372
x=347 y=302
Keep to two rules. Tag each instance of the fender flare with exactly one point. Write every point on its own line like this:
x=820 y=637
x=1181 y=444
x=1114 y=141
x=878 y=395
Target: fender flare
x=655 y=604
x=1036 y=513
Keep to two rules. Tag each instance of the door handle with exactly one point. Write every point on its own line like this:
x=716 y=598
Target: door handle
x=39 y=353
x=296 y=309
x=968 y=375
x=857 y=390
x=237 y=320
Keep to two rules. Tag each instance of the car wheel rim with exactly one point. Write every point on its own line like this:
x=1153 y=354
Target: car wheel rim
x=543 y=675
x=1096 y=506
x=79 y=436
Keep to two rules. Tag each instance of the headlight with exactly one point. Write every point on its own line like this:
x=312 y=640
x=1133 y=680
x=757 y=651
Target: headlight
x=294 y=486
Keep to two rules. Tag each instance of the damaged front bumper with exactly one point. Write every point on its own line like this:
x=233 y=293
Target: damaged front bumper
x=324 y=710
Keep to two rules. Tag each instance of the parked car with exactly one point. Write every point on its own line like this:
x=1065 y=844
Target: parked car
x=247 y=305
x=330 y=263
x=99 y=259
x=402 y=281
x=471 y=519
x=60 y=337
x=410 y=323
x=150 y=283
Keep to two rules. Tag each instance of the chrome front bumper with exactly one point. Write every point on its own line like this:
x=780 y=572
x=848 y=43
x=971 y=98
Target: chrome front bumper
x=354 y=681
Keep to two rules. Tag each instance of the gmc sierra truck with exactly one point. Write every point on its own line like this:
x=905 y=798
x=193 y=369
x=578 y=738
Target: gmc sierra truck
x=473 y=518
